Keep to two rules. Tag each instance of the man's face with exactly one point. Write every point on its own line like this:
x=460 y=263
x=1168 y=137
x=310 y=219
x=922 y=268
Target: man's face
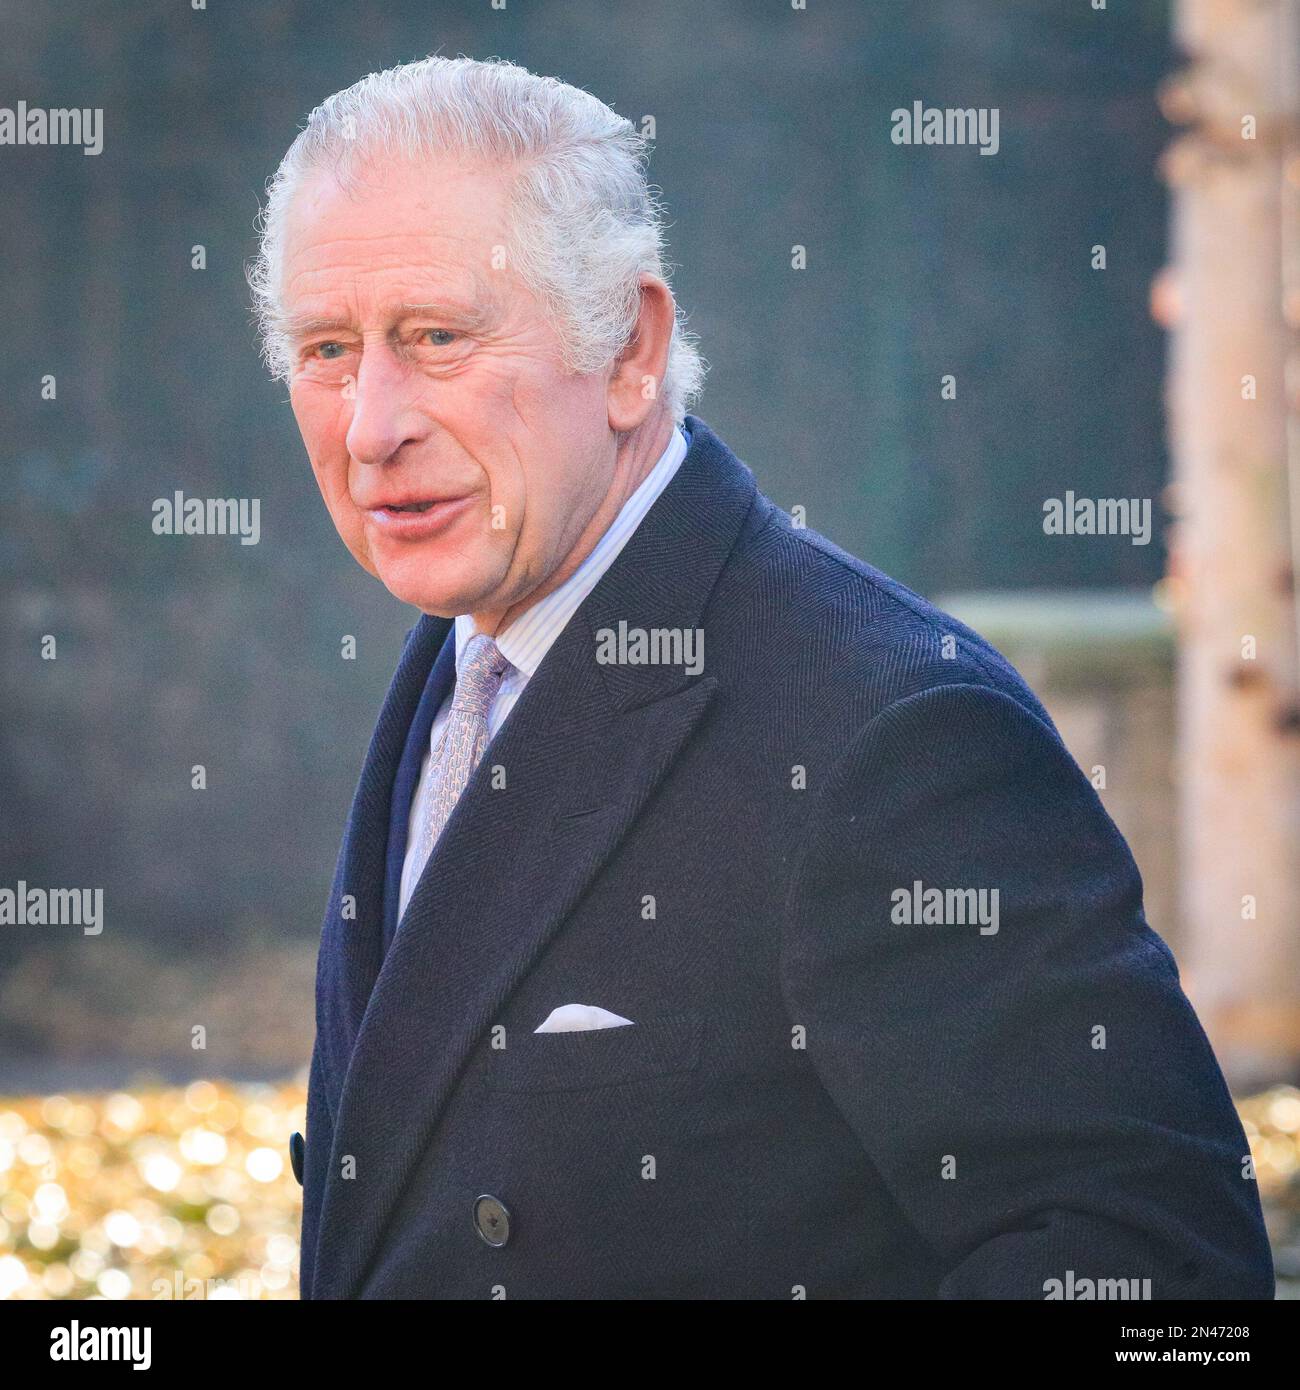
x=458 y=458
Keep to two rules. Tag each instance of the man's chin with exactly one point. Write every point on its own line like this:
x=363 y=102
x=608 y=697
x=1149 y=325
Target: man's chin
x=412 y=583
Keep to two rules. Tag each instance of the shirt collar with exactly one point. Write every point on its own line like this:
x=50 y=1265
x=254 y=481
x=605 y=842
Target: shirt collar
x=530 y=636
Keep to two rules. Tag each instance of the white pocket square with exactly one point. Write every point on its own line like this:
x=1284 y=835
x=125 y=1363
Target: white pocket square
x=579 y=1018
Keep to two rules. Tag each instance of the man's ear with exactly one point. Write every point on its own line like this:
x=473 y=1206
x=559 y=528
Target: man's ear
x=638 y=372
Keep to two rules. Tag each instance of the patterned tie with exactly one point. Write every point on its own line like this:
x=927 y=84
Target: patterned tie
x=465 y=735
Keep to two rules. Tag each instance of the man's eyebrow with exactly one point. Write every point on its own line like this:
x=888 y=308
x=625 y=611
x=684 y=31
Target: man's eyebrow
x=302 y=325
x=470 y=315
x=465 y=312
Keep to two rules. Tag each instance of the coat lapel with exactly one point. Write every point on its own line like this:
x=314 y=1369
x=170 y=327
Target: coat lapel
x=582 y=751
x=352 y=936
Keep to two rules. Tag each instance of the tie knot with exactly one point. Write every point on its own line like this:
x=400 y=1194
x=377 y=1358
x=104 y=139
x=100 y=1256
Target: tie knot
x=482 y=667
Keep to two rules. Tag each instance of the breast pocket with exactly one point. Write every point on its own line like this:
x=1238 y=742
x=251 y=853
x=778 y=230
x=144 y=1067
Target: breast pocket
x=596 y=1057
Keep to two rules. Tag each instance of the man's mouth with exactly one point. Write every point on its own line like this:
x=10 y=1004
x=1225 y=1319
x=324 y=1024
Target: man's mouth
x=412 y=504
x=416 y=518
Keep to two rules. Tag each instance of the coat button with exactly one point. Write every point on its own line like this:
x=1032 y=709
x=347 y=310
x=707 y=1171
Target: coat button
x=297 y=1152
x=492 y=1220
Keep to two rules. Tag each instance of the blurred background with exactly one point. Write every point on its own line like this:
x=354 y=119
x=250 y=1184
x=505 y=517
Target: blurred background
x=1107 y=307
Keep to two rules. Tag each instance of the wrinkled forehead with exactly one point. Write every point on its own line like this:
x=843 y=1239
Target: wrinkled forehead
x=437 y=226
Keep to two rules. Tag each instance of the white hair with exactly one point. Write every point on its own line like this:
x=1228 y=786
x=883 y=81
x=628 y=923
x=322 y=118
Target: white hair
x=583 y=222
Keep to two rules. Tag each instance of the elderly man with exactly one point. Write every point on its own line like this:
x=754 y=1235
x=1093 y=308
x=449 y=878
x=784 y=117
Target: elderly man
x=715 y=917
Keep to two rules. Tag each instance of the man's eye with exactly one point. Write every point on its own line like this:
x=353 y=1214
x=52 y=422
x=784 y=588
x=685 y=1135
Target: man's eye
x=440 y=337
x=330 y=351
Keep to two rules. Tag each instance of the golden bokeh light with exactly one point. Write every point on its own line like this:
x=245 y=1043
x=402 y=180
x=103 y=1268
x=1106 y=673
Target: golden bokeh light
x=153 y=1193
x=186 y=1192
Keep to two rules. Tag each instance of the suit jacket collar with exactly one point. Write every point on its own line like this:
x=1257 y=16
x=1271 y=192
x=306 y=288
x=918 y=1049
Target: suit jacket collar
x=581 y=752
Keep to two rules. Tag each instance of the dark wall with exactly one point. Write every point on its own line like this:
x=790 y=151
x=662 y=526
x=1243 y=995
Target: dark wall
x=772 y=129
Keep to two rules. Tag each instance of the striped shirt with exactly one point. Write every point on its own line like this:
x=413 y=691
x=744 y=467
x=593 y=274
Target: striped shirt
x=529 y=637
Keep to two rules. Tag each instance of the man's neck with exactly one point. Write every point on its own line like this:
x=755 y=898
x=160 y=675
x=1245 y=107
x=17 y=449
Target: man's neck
x=636 y=457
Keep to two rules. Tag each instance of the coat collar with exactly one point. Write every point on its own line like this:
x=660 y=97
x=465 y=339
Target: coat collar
x=582 y=750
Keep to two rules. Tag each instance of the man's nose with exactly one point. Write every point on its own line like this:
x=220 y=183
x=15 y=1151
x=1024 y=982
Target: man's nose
x=383 y=418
